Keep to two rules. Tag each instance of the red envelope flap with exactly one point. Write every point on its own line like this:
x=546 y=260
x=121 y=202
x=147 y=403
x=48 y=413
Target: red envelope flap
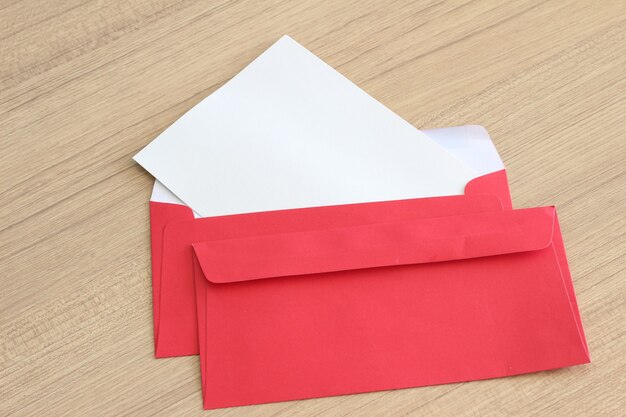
x=376 y=245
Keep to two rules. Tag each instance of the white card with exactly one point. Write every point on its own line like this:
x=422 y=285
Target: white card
x=471 y=144
x=290 y=132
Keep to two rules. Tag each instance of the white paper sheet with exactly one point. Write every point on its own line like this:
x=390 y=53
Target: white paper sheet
x=472 y=144
x=289 y=132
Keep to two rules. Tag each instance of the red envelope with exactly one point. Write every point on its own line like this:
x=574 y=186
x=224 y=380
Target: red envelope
x=174 y=230
x=290 y=311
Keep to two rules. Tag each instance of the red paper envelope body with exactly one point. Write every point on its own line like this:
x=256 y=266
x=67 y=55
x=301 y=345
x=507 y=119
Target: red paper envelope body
x=174 y=230
x=288 y=314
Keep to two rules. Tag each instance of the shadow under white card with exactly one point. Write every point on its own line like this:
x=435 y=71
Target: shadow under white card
x=471 y=144
x=289 y=132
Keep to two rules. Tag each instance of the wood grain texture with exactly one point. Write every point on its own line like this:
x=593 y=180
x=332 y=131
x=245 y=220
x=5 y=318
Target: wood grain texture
x=86 y=84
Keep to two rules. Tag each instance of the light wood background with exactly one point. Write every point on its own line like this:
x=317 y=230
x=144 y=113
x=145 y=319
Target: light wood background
x=85 y=84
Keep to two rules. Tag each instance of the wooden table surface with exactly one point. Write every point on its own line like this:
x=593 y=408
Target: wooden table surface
x=86 y=84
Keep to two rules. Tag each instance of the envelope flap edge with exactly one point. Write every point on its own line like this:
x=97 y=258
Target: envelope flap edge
x=414 y=241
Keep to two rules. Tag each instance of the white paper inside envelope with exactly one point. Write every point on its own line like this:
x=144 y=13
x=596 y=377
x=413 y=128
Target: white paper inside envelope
x=472 y=144
x=290 y=132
